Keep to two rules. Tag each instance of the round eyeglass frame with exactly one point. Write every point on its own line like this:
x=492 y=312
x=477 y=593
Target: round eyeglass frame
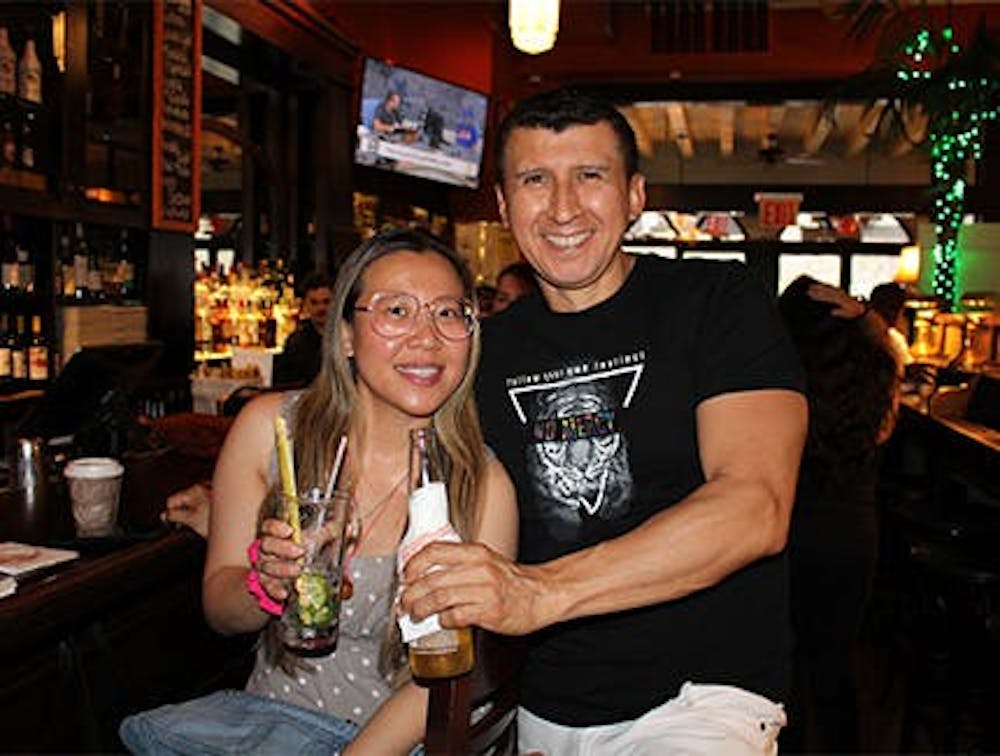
x=467 y=307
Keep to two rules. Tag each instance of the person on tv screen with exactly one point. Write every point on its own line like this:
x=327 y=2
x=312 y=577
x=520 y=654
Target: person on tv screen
x=388 y=118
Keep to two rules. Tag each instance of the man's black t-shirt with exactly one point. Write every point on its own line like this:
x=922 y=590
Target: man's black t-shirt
x=299 y=361
x=593 y=415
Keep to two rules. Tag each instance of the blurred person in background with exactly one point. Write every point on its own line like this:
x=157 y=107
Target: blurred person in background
x=851 y=386
x=513 y=282
x=887 y=301
x=299 y=361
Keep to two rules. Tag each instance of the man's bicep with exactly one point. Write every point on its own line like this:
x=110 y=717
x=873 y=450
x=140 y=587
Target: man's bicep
x=755 y=436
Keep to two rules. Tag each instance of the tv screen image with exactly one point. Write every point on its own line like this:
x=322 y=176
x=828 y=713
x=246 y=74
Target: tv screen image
x=420 y=126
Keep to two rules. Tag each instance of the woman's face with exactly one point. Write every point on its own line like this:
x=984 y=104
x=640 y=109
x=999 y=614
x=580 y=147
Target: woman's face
x=407 y=377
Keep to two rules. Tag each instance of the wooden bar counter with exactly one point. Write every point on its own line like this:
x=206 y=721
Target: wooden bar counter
x=118 y=630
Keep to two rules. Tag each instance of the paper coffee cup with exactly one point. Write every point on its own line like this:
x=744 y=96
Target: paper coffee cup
x=94 y=489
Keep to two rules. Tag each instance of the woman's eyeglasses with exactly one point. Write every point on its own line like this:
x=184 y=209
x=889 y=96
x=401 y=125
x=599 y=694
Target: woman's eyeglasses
x=395 y=314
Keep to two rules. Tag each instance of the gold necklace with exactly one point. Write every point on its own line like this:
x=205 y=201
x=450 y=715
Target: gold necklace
x=347 y=585
x=372 y=510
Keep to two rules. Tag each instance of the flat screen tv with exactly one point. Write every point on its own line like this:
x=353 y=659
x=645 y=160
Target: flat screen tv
x=420 y=126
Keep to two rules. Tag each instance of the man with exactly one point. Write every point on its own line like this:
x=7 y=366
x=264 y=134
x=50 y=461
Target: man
x=887 y=300
x=299 y=361
x=649 y=412
x=388 y=118
x=513 y=282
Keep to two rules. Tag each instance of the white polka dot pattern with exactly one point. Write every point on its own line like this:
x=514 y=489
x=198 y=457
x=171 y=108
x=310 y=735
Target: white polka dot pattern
x=347 y=683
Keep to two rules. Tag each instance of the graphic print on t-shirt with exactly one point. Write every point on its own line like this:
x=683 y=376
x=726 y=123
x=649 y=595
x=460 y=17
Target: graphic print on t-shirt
x=577 y=455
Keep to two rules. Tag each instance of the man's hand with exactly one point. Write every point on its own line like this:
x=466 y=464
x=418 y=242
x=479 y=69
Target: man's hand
x=844 y=305
x=470 y=584
x=190 y=507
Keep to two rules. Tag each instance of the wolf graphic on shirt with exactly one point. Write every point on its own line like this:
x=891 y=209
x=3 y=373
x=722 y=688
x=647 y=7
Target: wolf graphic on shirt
x=577 y=456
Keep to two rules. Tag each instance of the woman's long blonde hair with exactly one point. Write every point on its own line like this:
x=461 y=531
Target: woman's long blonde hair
x=329 y=409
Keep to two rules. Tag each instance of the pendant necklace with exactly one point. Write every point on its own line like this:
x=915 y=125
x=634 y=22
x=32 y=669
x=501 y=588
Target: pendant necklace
x=374 y=512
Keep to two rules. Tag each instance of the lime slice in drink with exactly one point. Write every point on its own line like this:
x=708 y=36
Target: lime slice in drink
x=315 y=606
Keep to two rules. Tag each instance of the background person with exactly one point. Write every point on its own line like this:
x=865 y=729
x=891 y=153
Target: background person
x=300 y=360
x=833 y=546
x=887 y=301
x=649 y=412
x=513 y=282
x=401 y=355
x=388 y=117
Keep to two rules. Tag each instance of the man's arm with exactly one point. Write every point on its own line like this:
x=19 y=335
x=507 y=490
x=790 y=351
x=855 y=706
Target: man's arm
x=750 y=444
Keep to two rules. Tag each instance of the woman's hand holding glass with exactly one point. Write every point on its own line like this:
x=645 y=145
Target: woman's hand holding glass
x=279 y=562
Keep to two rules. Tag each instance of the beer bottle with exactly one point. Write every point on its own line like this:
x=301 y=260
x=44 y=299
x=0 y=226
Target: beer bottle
x=6 y=371
x=38 y=353
x=19 y=354
x=433 y=651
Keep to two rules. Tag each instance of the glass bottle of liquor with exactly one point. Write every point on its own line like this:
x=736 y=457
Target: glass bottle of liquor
x=19 y=353
x=8 y=140
x=8 y=64
x=95 y=278
x=125 y=269
x=64 y=285
x=81 y=255
x=433 y=651
x=29 y=74
x=28 y=137
x=38 y=353
x=25 y=269
x=6 y=370
x=8 y=259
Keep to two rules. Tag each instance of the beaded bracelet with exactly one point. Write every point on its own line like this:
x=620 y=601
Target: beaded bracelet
x=264 y=601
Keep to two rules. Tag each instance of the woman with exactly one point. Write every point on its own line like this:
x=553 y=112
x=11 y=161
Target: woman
x=402 y=354
x=833 y=544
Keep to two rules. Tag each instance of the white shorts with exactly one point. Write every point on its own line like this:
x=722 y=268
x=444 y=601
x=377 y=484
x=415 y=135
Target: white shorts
x=701 y=719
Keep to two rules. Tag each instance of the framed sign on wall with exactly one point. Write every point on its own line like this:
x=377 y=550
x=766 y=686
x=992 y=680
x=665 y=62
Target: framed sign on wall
x=176 y=114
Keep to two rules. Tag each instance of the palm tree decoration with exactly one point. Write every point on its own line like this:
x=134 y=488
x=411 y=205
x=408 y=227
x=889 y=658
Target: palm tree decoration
x=923 y=68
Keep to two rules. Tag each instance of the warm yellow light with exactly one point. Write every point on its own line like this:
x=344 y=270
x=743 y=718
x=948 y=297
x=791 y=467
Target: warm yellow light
x=59 y=40
x=534 y=25
x=908 y=271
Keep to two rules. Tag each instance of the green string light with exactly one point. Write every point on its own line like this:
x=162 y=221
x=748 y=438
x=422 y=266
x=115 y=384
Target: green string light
x=956 y=135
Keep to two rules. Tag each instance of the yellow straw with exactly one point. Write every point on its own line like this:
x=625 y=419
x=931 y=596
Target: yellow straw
x=286 y=471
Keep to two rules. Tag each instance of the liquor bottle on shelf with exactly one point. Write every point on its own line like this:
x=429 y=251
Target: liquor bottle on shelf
x=6 y=370
x=95 y=278
x=29 y=74
x=124 y=270
x=25 y=269
x=8 y=260
x=38 y=353
x=19 y=354
x=81 y=256
x=8 y=140
x=8 y=64
x=63 y=285
x=29 y=136
x=434 y=651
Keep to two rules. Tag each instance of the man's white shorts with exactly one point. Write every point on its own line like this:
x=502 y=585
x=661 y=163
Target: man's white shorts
x=701 y=719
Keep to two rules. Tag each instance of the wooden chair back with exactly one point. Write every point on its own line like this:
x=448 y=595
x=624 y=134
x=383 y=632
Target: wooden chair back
x=476 y=712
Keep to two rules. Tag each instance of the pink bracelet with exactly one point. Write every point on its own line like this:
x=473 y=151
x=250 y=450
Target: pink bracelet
x=264 y=601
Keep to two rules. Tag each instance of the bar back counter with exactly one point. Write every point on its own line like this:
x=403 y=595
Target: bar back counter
x=118 y=630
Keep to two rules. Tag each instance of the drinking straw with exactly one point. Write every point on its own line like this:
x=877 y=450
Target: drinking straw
x=286 y=471
x=338 y=460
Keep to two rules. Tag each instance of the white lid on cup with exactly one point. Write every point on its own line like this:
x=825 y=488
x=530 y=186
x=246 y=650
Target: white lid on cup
x=94 y=468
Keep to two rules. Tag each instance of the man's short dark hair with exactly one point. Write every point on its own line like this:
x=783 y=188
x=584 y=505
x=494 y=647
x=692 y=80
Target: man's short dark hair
x=316 y=280
x=522 y=272
x=887 y=300
x=557 y=111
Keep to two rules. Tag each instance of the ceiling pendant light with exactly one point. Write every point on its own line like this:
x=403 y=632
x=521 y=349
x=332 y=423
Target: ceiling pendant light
x=534 y=25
